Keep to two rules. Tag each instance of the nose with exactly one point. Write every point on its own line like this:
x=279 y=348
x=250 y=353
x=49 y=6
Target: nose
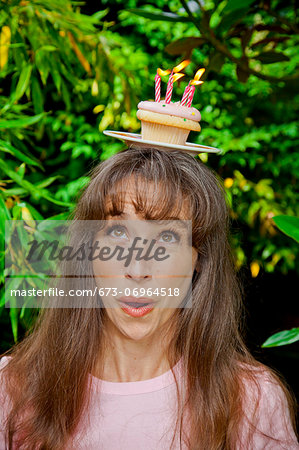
x=133 y=276
x=138 y=272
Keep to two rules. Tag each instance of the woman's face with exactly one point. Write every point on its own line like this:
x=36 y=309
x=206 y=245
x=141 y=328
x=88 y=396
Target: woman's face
x=162 y=279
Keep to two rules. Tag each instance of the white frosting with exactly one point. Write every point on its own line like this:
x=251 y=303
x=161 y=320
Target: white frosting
x=172 y=109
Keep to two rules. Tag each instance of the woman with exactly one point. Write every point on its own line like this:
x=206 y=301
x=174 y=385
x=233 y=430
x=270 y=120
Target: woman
x=176 y=376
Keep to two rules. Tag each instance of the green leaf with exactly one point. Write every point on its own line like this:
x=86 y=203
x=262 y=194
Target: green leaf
x=5 y=212
x=43 y=66
x=288 y=225
x=96 y=17
x=12 y=283
x=21 y=123
x=13 y=313
x=166 y=17
x=21 y=170
x=35 y=191
x=23 y=82
x=61 y=216
x=271 y=57
x=14 y=191
x=282 y=338
x=48 y=48
x=66 y=95
x=35 y=214
x=233 y=5
x=6 y=147
x=48 y=181
x=4 y=215
x=37 y=96
x=230 y=18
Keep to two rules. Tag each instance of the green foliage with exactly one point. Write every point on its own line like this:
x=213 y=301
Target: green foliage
x=67 y=75
x=249 y=108
x=282 y=338
x=289 y=225
x=64 y=77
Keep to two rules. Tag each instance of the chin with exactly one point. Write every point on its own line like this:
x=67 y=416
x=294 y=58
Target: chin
x=137 y=332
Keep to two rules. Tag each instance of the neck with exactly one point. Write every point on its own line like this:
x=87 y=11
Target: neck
x=125 y=359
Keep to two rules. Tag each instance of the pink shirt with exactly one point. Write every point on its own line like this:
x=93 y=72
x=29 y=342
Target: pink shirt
x=141 y=415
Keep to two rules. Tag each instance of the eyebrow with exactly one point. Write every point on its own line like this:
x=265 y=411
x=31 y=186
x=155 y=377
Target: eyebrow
x=179 y=222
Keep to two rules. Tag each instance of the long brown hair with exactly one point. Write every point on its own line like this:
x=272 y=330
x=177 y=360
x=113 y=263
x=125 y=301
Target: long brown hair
x=47 y=375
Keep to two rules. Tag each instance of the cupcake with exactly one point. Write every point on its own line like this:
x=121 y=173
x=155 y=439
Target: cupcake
x=167 y=122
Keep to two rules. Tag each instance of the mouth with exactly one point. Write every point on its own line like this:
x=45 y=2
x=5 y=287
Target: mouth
x=136 y=307
x=137 y=302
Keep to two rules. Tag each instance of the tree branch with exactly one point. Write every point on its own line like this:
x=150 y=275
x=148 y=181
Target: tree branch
x=209 y=35
x=291 y=26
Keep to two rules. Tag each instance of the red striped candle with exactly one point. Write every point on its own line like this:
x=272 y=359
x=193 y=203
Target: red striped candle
x=157 y=87
x=169 y=88
x=173 y=78
x=195 y=82
x=191 y=95
x=185 y=95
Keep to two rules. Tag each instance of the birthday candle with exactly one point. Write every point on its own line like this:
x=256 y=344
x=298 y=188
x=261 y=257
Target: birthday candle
x=157 y=87
x=169 y=88
x=160 y=73
x=173 y=78
x=195 y=82
x=185 y=95
x=191 y=95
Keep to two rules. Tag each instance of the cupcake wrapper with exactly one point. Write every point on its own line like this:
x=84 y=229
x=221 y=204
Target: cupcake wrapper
x=163 y=133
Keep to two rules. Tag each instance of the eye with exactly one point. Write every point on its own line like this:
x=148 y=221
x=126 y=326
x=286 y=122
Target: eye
x=169 y=237
x=117 y=231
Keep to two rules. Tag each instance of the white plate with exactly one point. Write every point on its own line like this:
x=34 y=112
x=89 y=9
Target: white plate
x=132 y=138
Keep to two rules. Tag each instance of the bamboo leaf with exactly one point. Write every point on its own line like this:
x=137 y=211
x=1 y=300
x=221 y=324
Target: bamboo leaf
x=13 y=313
x=14 y=191
x=47 y=48
x=23 y=82
x=4 y=215
x=35 y=191
x=35 y=214
x=13 y=283
x=8 y=148
x=37 y=96
x=21 y=123
x=48 y=181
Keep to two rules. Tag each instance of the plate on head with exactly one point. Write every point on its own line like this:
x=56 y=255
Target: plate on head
x=132 y=139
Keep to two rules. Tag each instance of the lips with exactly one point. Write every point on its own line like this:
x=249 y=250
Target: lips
x=136 y=307
x=136 y=302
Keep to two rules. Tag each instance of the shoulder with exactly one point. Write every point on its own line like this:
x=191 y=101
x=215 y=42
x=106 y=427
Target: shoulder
x=3 y=363
x=4 y=360
x=266 y=410
x=3 y=393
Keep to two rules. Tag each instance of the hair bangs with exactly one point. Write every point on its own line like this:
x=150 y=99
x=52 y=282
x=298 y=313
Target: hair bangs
x=152 y=200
